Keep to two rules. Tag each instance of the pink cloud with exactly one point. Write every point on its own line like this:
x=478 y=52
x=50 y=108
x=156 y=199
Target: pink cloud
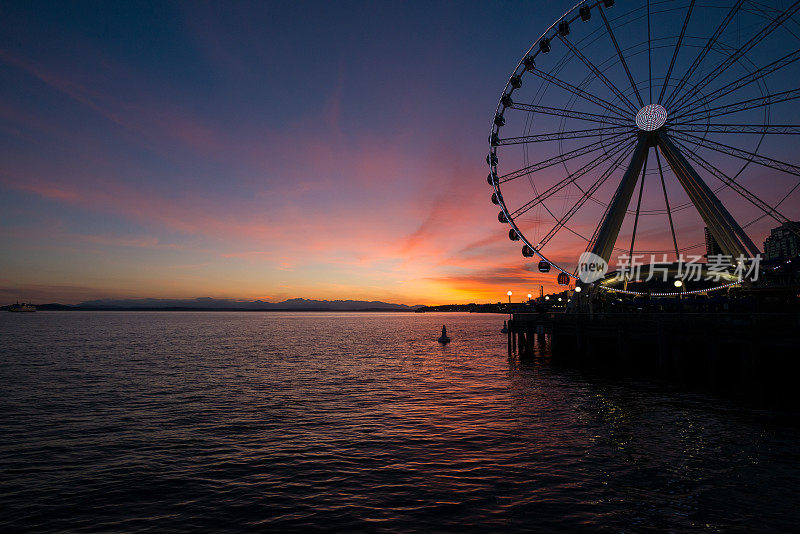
x=48 y=191
x=315 y=197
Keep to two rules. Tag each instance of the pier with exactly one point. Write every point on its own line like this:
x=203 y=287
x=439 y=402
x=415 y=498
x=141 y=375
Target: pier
x=695 y=347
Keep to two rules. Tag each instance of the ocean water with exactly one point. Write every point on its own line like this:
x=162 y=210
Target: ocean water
x=175 y=422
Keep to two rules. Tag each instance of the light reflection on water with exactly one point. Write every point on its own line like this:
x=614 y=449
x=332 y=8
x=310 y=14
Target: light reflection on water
x=174 y=421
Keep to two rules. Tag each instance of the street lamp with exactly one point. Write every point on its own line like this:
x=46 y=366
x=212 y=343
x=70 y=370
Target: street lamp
x=679 y=285
x=578 y=289
x=509 y=304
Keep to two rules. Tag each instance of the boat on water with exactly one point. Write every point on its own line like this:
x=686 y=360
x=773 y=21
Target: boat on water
x=22 y=307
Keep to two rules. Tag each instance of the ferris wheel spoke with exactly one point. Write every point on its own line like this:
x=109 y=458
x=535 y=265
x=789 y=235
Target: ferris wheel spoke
x=649 y=56
x=737 y=187
x=666 y=202
x=581 y=201
x=730 y=236
x=760 y=36
x=605 y=104
x=782 y=129
x=739 y=153
x=705 y=50
x=793 y=226
x=600 y=76
x=612 y=220
x=744 y=105
x=621 y=57
x=558 y=136
x=741 y=82
x=639 y=202
x=620 y=146
x=570 y=114
x=591 y=241
x=555 y=160
x=675 y=52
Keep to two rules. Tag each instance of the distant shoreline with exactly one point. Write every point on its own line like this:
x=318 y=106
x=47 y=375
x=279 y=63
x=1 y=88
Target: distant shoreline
x=47 y=307
x=283 y=310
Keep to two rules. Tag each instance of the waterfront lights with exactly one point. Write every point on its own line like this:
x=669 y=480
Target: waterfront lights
x=509 y=293
x=547 y=297
x=559 y=299
x=529 y=296
x=578 y=289
x=678 y=283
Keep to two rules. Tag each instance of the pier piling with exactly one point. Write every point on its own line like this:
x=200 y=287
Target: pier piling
x=698 y=347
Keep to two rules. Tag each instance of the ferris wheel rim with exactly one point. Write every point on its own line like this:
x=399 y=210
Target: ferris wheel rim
x=680 y=99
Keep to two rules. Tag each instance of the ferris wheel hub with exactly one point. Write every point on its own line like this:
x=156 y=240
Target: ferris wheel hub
x=651 y=117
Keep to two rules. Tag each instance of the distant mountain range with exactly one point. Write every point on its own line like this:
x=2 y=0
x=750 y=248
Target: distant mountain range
x=208 y=303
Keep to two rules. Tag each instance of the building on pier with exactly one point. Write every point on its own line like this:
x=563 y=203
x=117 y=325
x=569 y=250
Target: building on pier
x=782 y=243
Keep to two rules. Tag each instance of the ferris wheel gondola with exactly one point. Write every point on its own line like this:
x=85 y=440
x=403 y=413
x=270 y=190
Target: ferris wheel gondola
x=630 y=128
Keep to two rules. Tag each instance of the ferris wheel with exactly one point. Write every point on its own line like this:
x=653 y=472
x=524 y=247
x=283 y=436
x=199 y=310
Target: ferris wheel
x=651 y=128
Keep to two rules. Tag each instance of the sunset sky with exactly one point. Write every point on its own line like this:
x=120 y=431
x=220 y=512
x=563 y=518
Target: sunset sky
x=322 y=150
x=325 y=150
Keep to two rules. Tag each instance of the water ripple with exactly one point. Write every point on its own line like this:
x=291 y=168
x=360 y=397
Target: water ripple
x=176 y=422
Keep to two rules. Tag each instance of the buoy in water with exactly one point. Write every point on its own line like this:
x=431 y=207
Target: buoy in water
x=443 y=339
x=505 y=328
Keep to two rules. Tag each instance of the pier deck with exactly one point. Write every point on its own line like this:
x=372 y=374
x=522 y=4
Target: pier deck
x=694 y=346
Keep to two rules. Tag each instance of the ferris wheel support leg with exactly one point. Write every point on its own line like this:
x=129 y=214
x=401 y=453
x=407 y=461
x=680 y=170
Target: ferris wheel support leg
x=728 y=243
x=612 y=222
x=731 y=237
